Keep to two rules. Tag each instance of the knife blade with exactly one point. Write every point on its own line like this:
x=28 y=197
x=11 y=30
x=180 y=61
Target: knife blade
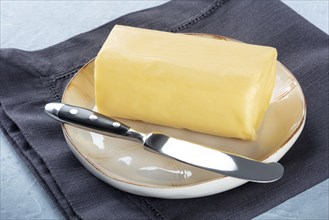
x=190 y=153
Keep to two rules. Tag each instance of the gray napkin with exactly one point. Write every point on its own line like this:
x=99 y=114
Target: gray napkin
x=31 y=79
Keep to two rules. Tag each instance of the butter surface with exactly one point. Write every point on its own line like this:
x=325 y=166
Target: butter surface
x=205 y=85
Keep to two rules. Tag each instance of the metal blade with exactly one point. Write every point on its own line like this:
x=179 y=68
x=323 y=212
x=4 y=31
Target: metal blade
x=214 y=160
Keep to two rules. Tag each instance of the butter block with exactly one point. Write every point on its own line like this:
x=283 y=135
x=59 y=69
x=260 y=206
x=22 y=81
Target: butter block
x=201 y=84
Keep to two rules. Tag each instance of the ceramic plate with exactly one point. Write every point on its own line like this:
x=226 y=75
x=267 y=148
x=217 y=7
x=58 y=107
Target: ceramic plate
x=127 y=166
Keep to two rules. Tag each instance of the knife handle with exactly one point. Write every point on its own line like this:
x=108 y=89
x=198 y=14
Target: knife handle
x=90 y=120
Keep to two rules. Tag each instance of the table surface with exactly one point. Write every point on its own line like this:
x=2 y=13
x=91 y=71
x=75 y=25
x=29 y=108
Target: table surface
x=32 y=25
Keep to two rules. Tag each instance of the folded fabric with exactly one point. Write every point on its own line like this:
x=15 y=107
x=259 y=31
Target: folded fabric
x=29 y=80
x=206 y=85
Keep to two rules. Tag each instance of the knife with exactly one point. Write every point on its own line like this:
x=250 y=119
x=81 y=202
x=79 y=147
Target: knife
x=190 y=153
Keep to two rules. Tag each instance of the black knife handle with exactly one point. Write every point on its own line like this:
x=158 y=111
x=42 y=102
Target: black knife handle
x=87 y=119
x=90 y=119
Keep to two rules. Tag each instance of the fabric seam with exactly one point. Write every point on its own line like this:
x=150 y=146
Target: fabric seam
x=69 y=73
x=153 y=209
x=52 y=82
x=185 y=24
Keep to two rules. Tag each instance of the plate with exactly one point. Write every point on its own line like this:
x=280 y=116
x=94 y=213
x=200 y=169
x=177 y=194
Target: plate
x=127 y=166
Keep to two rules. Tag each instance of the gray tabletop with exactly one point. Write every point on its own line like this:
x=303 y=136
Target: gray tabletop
x=32 y=25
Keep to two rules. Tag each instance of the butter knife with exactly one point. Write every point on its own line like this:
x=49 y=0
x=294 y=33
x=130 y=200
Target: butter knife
x=190 y=153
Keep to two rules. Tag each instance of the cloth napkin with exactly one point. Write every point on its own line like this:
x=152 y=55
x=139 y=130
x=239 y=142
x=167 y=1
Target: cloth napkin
x=31 y=79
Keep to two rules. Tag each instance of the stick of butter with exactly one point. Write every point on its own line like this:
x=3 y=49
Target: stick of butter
x=201 y=84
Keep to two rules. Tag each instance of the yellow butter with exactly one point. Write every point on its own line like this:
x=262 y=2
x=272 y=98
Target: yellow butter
x=201 y=84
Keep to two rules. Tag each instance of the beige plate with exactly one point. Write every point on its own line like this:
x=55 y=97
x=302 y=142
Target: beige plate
x=127 y=166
